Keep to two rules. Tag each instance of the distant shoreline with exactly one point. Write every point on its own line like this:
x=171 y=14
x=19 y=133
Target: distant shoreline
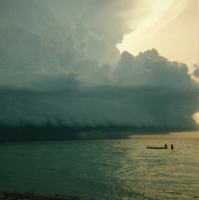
x=30 y=133
x=169 y=135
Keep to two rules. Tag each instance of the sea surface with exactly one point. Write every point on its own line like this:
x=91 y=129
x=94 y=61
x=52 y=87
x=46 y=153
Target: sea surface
x=103 y=169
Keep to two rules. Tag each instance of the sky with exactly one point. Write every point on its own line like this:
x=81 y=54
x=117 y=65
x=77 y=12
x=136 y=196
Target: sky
x=99 y=63
x=172 y=29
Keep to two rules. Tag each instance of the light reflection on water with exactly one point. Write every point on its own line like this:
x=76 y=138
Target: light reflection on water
x=105 y=169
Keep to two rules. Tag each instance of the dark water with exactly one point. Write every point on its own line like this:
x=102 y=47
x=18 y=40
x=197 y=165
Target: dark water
x=105 y=169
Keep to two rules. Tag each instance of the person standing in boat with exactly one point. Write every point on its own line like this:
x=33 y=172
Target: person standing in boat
x=172 y=147
x=165 y=146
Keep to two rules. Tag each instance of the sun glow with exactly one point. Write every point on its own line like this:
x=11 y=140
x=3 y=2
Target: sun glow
x=169 y=26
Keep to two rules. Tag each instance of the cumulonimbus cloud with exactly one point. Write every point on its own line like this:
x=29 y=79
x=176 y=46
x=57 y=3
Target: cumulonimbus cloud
x=52 y=72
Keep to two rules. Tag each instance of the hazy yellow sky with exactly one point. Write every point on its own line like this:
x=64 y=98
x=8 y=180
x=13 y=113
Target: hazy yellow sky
x=173 y=32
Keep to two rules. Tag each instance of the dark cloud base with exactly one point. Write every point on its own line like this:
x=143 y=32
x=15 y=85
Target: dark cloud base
x=93 y=113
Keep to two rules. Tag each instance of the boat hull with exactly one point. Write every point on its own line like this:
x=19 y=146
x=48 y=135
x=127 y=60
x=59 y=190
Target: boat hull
x=156 y=147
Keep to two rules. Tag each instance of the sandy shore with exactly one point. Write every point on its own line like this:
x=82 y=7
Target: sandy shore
x=32 y=196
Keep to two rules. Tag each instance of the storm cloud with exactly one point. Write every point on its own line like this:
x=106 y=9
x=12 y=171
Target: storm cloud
x=59 y=64
x=195 y=72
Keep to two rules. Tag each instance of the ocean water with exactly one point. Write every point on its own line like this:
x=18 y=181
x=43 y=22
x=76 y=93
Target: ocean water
x=103 y=169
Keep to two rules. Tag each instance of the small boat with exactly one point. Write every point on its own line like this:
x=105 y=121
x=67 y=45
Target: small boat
x=156 y=147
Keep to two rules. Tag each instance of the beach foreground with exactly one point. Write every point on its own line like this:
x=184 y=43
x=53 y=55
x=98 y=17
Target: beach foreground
x=32 y=196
